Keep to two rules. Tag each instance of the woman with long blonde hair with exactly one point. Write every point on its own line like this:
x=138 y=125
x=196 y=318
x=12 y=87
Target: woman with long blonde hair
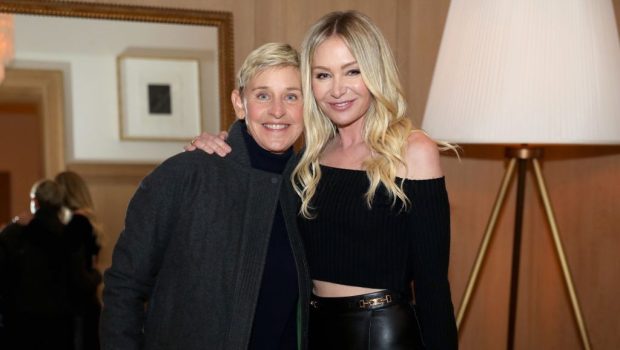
x=374 y=210
x=83 y=232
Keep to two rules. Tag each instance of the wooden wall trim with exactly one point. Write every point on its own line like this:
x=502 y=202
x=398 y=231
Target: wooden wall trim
x=45 y=87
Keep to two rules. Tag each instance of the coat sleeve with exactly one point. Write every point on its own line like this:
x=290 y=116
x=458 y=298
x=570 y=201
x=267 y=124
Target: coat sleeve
x=137 y=258
x=84 y=277
x=431 y=251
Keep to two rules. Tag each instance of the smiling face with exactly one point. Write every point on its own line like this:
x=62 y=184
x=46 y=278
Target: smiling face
x=337 y=83
x=272 y=106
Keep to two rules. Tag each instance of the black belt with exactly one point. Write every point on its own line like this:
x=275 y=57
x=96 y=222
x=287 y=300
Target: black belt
x=370 y=301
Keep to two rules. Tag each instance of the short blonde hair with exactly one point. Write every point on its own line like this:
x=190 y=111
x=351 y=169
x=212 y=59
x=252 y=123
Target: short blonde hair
x=266 y=56
x=386 y=125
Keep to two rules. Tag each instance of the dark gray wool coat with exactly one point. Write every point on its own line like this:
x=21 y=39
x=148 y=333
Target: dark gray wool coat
x=187 y=269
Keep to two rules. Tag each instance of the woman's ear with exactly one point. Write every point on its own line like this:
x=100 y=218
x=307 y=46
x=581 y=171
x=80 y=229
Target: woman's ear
x=237 y=102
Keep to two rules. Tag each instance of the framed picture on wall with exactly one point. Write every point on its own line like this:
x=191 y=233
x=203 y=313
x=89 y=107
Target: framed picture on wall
x=159 y=98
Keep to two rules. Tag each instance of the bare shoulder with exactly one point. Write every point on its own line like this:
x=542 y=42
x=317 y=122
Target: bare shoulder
x=422 y=157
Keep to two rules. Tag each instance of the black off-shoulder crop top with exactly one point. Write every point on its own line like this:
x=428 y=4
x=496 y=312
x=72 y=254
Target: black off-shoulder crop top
x=384 y=247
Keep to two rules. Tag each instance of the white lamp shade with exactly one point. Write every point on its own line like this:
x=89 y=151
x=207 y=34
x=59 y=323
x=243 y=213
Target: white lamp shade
x=527 y=71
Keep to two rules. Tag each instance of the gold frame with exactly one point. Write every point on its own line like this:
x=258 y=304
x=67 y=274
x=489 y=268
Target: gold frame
x=223 y=21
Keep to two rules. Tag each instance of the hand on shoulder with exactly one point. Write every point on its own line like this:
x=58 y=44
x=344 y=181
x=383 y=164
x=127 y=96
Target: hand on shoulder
x=422 y=157
x=210 y=143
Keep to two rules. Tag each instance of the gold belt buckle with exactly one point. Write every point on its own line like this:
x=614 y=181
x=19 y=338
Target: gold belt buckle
x=363 y=304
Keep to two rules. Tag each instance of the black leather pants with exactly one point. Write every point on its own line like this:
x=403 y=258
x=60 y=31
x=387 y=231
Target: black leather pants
x=351 y=323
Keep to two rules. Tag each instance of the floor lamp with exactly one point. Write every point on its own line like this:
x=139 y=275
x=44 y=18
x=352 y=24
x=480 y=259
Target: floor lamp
x=525 y=74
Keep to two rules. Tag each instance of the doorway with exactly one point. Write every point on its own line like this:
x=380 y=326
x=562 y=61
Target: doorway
x=31 y=132
x=21 y=155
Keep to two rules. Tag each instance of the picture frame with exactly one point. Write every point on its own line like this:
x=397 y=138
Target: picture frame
x=159 y=98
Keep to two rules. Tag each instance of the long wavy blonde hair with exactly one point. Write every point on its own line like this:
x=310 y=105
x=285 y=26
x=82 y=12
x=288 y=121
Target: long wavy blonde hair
x=386 y=126
x=77 y=198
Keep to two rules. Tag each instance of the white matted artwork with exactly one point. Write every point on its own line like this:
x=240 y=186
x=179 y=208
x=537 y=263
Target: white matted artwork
x=159 y=98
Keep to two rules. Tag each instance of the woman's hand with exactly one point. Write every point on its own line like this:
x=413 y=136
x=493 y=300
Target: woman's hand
x=210 y=143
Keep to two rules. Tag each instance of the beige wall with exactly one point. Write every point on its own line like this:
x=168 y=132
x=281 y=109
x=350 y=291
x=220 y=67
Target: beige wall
x=584 y=185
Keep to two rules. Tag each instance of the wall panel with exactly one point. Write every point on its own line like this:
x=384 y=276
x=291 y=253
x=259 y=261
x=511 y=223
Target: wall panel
x=421 y=31
x=111 y=186
x=583 y=185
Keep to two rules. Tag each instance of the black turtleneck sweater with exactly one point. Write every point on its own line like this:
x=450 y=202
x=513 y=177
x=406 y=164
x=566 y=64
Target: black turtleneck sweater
x=275 y=318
